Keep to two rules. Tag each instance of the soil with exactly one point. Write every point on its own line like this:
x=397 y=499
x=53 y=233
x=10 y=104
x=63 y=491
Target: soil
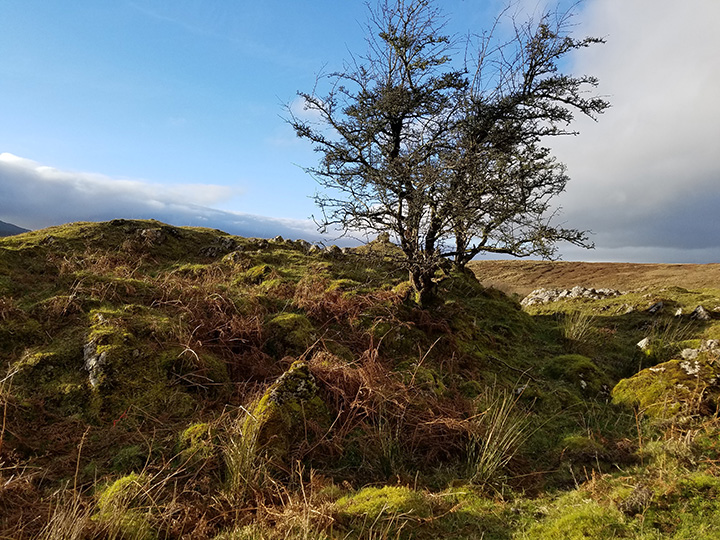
x=522 y=277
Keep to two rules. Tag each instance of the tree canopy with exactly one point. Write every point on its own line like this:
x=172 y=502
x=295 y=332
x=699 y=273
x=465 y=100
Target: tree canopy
x=449 y=157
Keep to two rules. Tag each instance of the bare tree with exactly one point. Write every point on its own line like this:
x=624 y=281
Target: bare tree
x=449 y=160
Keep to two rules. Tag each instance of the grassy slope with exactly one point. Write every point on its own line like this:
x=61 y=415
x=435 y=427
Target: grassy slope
x=521 y=277
x=469 y=419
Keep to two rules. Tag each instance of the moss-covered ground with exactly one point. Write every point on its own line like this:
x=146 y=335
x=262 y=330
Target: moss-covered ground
x=165 y=382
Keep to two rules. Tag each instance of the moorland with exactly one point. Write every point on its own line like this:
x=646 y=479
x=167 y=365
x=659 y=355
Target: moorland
x=164 y=382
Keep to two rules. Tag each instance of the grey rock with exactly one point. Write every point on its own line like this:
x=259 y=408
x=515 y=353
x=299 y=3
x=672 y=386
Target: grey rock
x=545 y=296
x=94 y=363
x=700 y=314
x=657 y=307
x=304 y=245
x=152 y=236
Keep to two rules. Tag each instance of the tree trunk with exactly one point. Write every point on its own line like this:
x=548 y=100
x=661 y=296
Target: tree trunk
x=424 y=286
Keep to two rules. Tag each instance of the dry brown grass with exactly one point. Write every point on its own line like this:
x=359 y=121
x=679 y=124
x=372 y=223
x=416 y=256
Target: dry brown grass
x=522 y=277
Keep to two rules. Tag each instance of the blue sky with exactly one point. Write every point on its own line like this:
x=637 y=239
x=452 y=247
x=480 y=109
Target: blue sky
x=135 y=107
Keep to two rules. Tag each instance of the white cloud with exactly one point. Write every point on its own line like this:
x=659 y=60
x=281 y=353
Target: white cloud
x=36 y=196
x=646 y=177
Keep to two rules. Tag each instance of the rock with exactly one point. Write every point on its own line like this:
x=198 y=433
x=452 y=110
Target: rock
x=677 y=387
x=314 y=250
x=689 y=354
x=657 y=307
x=333 y=251
x=234 y=257
x=545 y=296
x=304 y=245
x=678 y=312
x=700 y=314
x=152 y=237
x=94 y=362
x=221 y=245
x=285 y=413
x=278 y=239
x=643 y=344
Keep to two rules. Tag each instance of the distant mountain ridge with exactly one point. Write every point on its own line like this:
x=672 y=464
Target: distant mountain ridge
x=8 y=229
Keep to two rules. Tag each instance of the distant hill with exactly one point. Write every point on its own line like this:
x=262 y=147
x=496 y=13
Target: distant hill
x=8 y=229
x=521 y=277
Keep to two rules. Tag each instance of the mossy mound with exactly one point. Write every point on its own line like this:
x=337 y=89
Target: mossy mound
x=389 y=502
x=677 y=387
x=288 y=414
x=580 y=371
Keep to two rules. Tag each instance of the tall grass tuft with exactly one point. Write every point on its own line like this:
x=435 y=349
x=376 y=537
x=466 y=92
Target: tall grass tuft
x=246 y=471
x=496 y=433
x=577 y=326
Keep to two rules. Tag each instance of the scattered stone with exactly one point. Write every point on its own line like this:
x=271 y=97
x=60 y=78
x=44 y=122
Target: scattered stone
x=657 y=307
x=678 y=312
x=234 y=257
x=278 y=239
x=221 y=245
x=643 y=344
x=545 y=296
x=152 y=237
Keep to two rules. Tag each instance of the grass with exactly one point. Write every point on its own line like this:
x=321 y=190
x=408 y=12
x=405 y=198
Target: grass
x=473 y=419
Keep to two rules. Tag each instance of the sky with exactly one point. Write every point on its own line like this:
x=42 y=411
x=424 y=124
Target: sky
x=174 y=110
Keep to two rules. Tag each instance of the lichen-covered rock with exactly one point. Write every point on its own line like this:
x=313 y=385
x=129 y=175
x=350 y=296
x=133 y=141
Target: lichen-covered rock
x=94 y=362
x=678 y=387
x=288 y=414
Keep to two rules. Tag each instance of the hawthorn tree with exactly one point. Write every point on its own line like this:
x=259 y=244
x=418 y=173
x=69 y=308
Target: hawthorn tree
x=450 y=160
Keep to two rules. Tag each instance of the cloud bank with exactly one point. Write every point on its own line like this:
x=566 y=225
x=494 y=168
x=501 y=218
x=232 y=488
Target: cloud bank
x=36 y=196
x=646 y=177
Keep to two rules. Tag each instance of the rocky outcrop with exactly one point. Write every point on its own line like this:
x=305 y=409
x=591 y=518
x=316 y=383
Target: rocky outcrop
x=546 y=296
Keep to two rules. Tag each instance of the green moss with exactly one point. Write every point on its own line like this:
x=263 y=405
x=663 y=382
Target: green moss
x=122 y=505
x=287 y=412
x=255 y=275
x=196 y=444
x=672 y=388
x=578 y=370
x=575 y=518
x=372 y=503
x=290 y=333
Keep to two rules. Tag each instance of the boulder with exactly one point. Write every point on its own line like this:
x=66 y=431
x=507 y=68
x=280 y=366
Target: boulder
x=284 y=417
x=700 y=314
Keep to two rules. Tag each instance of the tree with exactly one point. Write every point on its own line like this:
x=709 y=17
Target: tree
x=449 y=160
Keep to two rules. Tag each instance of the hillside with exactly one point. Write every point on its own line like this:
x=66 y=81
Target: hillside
x=164 y=382
x=521 y=277
x=8 y=229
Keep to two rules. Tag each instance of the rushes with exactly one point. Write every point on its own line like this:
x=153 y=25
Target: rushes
x=577 y=326
x=496 y=434
x=245 y=470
